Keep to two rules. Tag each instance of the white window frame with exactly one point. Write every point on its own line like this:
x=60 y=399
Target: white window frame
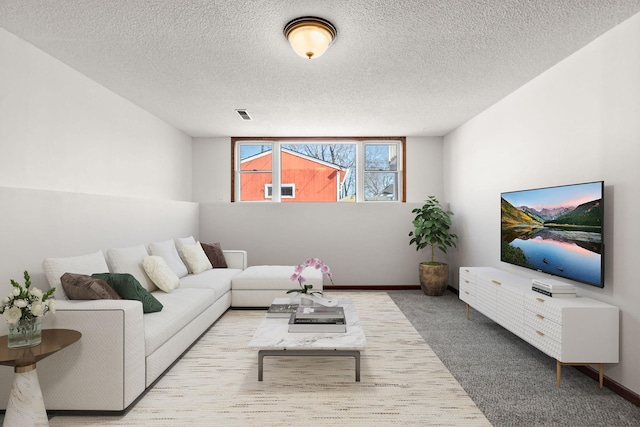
x=269 y=194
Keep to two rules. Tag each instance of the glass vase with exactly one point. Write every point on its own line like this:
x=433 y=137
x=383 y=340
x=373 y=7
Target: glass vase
x=306 y=300
x=25 y=333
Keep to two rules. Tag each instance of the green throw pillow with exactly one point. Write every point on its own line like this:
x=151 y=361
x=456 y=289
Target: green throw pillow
x=129 y=288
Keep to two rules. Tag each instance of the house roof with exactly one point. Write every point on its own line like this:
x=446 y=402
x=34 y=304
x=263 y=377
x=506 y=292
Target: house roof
x=301 y=155
x=397 y=67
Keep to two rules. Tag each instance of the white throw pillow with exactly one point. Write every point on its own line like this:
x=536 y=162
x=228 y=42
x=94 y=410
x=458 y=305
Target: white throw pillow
x=160 y=273
x=129 y=260
x=167 y=250
x=88 y=264
x=196 y=259
x=180 y=242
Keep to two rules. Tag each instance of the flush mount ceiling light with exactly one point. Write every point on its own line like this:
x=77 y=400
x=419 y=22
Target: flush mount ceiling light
x=310 y=36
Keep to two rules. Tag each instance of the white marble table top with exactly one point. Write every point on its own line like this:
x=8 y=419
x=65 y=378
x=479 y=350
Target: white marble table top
x=273 y=334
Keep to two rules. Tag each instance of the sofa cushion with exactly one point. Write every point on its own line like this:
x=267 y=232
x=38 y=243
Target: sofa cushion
x=129 y=260
x=84 y=287
x=54 y=268
x=215 y=254
x=167 y=250
x=196 y=259
x=160 y=274
x=217 y=279
x=129 y=288
x=180 y=308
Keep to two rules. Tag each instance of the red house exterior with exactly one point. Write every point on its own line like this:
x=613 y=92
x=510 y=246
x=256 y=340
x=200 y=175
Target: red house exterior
x=304 y=178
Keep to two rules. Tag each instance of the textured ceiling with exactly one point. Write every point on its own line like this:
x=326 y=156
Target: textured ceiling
x=396 y=68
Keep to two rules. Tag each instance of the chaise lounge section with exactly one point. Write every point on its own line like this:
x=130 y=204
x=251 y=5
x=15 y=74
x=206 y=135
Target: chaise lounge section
x=258 y=285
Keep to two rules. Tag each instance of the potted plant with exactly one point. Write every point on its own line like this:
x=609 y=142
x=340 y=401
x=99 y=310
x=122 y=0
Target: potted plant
x=431 y=228
x=307 y=294
x=23 y=310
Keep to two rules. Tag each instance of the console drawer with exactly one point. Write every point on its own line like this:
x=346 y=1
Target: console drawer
x=544 y=306
x=540 y=323
x=543 y=342
x=467 y=289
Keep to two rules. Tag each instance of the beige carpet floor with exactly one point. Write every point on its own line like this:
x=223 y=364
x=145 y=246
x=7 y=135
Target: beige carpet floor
x=216 y=383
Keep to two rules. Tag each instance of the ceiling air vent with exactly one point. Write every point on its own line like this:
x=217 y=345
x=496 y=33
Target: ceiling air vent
x=244 y=114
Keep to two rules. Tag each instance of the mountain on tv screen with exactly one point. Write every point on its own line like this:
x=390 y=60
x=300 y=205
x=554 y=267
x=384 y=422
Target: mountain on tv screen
x=556 y=230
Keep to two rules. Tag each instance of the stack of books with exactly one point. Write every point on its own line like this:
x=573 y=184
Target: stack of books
x=281 y=310
x=318 y=319
x=553 y=288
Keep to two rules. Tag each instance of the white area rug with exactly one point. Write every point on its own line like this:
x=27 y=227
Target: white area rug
x=216 y=383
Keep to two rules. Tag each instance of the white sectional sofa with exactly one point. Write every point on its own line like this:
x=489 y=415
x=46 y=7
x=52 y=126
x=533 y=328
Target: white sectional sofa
x=258 y=285
x=123 y=351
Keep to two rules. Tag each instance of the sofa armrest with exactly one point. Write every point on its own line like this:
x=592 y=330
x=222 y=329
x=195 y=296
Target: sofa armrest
x=235 y=258
x=105 y=370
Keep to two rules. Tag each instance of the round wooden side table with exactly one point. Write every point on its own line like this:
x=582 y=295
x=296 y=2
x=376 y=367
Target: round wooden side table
x=26 y=406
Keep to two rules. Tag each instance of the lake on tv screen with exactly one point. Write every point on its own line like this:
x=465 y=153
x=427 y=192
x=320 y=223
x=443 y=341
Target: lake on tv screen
x=562 y=257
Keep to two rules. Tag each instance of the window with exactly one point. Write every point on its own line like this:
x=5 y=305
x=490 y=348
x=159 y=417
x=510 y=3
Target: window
x=286 y=191
x=318 y=169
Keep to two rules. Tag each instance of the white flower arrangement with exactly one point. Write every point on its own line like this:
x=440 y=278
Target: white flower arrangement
x=26 y=303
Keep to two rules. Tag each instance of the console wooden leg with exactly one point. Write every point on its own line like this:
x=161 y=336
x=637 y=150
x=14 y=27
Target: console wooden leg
x=467 y=311
x=558 y=371
x=601 y=376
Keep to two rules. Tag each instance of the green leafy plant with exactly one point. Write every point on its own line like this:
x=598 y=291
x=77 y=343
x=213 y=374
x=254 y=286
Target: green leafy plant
x=431 y=228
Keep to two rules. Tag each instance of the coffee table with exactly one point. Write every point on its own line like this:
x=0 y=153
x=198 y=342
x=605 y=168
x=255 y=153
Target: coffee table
x=272 y=338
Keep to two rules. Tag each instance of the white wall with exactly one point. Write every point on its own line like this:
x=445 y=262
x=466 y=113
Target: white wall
x=61 y=131
x=364 y=244
x=81 y=169
x=577 y=122
x=37 y=224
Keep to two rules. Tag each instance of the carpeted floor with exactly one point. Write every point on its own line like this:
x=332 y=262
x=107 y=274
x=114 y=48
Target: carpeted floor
x=513 y=383
x=215 y=384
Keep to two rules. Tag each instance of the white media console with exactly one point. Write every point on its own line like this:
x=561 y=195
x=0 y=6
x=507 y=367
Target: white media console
x=574 y=331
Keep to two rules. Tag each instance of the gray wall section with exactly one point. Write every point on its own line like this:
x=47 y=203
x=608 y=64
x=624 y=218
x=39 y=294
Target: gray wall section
x=364 y=244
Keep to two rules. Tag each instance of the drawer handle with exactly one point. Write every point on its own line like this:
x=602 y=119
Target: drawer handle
x=496 y=282
x=539 y=300
x=466 y=281
x=539 y=316
x=540 y=333
x=466 y=292
x=466 y=270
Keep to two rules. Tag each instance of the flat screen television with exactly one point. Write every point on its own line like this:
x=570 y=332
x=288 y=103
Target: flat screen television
x=556 y=230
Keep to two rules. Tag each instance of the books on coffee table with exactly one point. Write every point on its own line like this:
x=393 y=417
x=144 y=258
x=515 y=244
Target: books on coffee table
x=283 y=311
x=319 y=312
x=329 y=324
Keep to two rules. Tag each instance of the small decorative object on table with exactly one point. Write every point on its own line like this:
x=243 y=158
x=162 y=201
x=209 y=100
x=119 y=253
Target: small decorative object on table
x=23 y=310
x=306 y=292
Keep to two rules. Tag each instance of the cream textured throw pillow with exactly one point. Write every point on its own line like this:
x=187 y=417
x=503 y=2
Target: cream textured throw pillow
x=195 y=258
x=167 y=250
x=160 y=273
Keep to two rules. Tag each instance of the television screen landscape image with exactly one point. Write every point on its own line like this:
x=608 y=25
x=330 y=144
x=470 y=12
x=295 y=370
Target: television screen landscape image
x=555 y=230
